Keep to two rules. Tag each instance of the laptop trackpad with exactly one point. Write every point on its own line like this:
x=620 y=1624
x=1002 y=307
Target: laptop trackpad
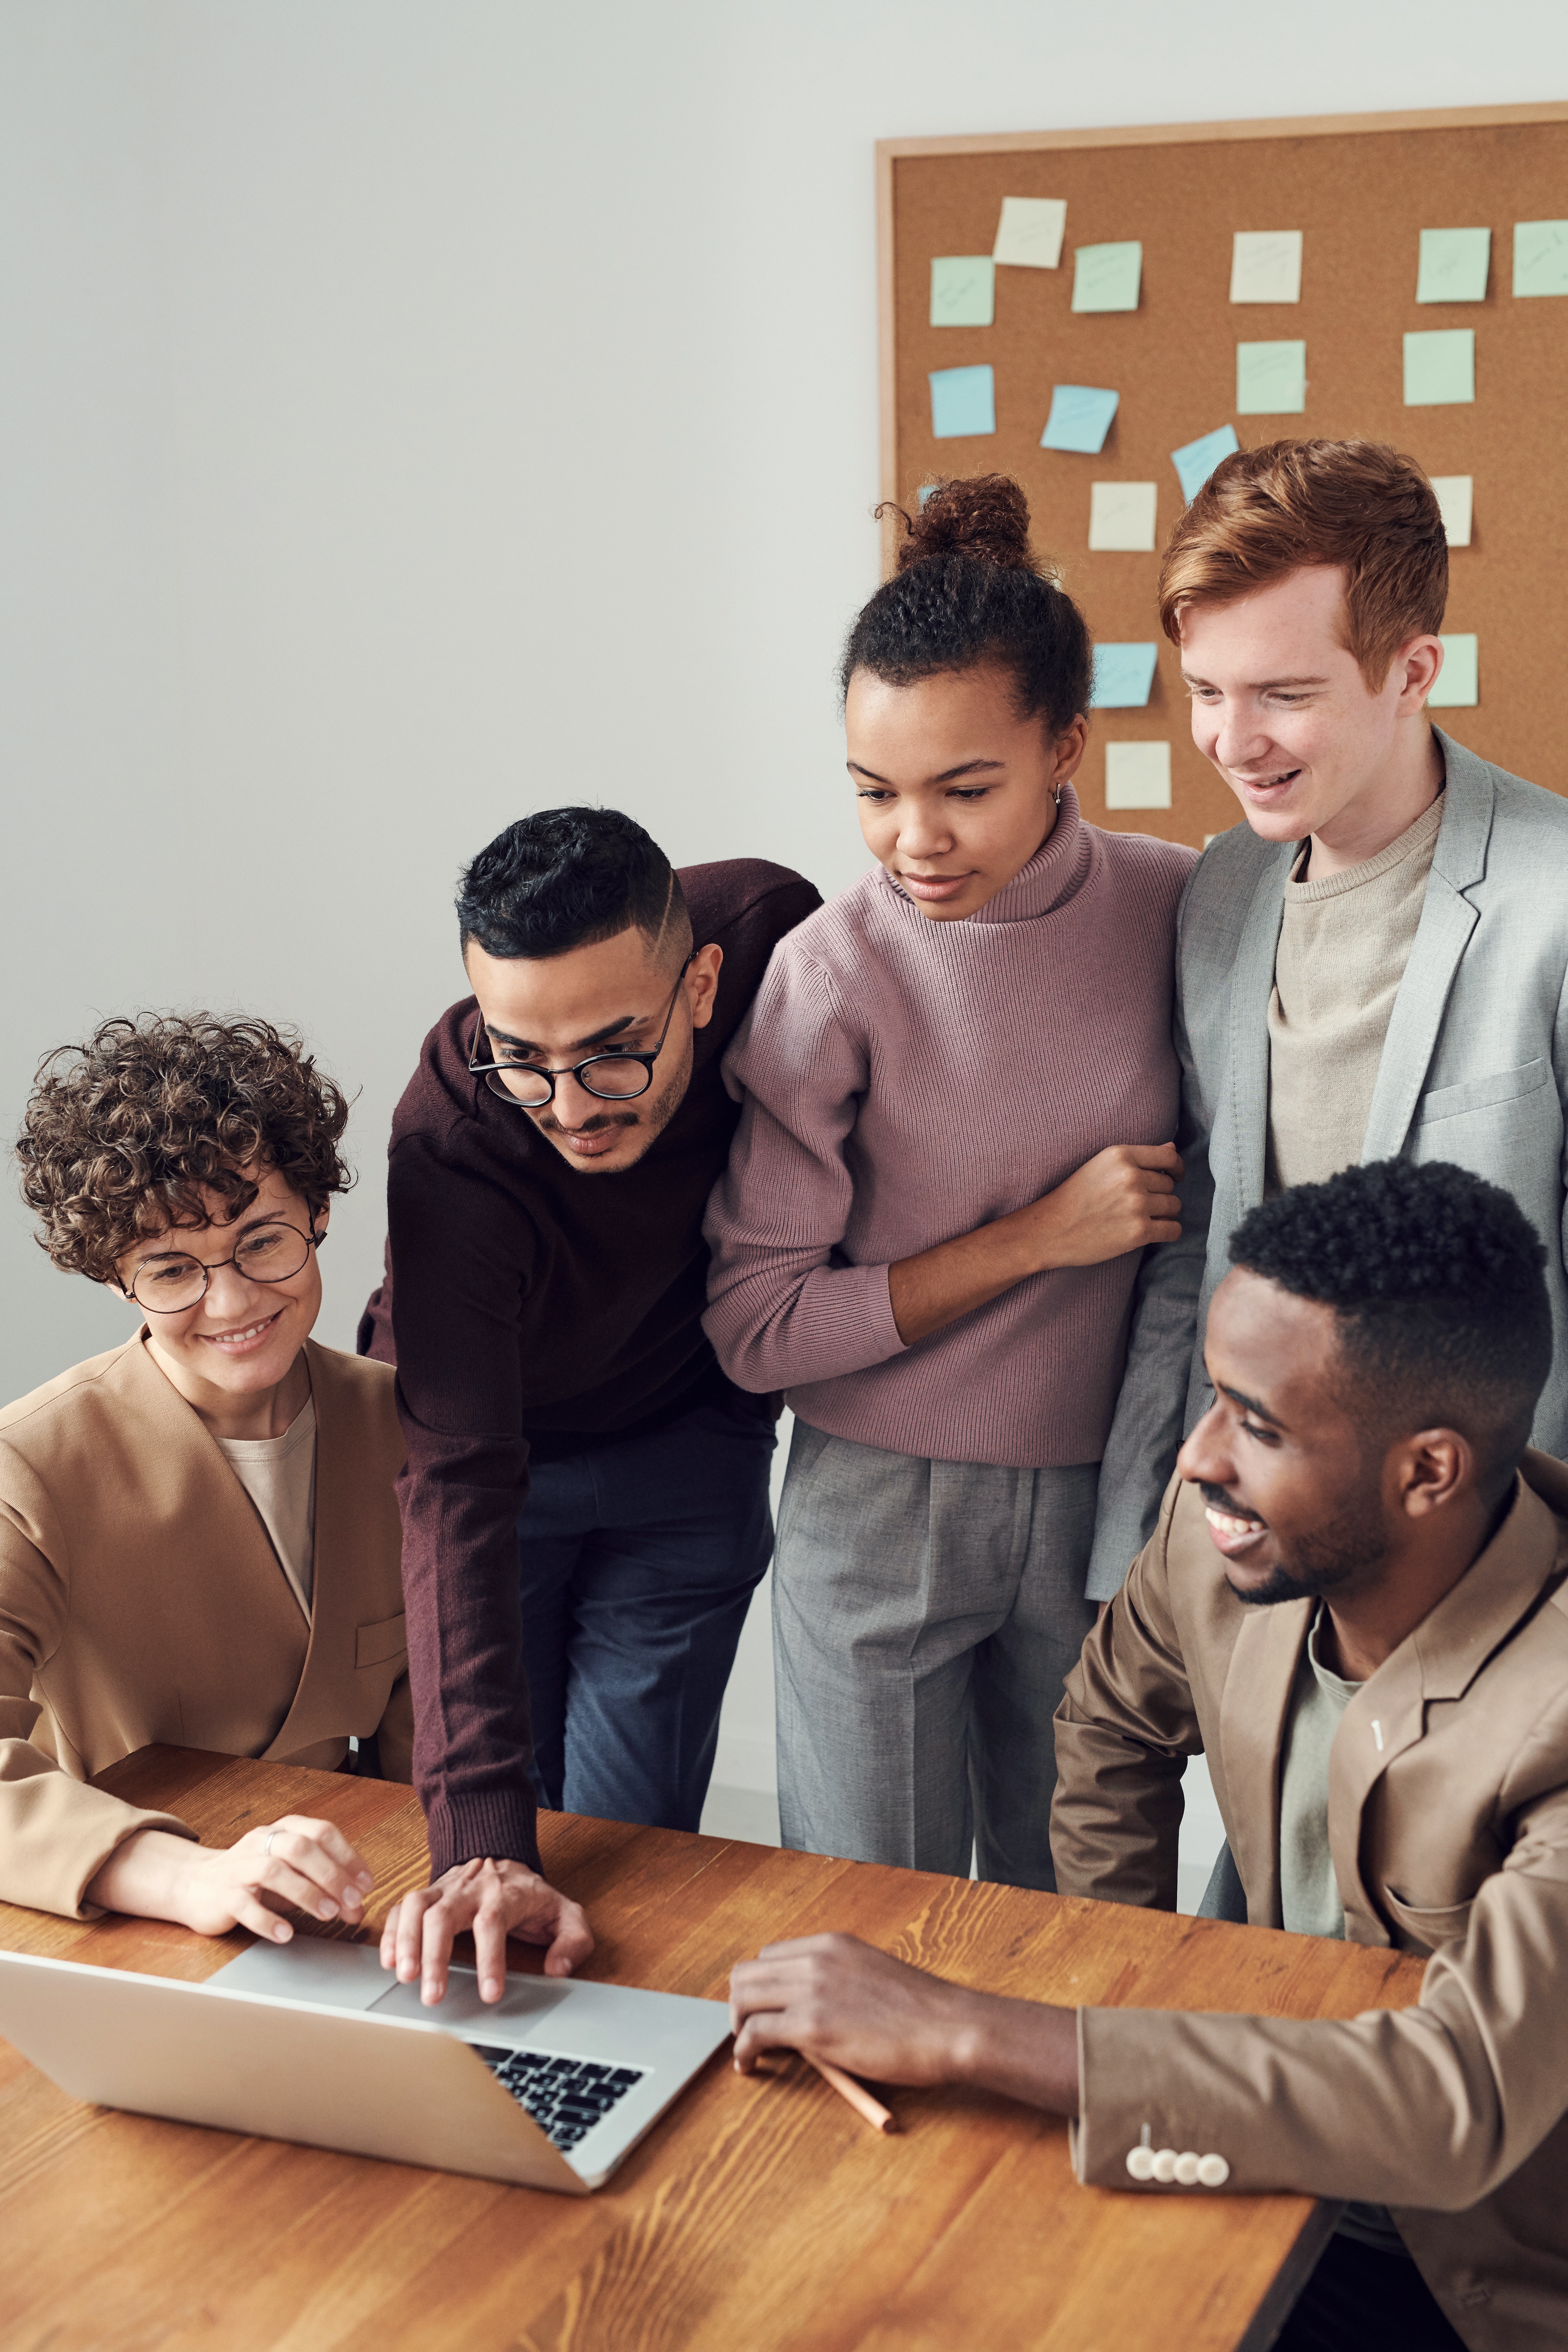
x=525 y=2000
x=334 y=1975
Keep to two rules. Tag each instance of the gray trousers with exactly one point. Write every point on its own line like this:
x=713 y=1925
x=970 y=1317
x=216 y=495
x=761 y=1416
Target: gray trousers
x=925 y=1614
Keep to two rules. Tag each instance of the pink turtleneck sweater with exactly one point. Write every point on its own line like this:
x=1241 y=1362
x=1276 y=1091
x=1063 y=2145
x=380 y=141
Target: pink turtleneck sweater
x=903 y=1081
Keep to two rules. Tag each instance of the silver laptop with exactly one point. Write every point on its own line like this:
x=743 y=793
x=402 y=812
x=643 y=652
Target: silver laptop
x=313 y=2041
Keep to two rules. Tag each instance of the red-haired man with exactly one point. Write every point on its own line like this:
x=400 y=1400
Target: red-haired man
x=1373 y=965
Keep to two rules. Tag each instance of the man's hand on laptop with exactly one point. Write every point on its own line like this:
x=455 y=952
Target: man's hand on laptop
x=496 y=1899
x=296 y=1863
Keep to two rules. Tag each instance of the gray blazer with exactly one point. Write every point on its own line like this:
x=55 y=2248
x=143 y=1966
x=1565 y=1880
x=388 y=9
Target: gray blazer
x=1474 y=1070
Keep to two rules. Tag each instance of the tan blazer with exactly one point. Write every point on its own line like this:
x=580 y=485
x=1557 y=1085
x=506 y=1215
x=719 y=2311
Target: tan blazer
x=1448 y=1826
x=140 y=1599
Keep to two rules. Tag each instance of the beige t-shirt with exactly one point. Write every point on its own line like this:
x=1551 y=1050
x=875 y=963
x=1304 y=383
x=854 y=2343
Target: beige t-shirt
x=1343 y=946
x=279 y=1473
x=1308 y=1891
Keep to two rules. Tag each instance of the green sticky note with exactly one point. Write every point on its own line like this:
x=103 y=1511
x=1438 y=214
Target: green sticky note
x=963 y=290
x=1541 y=256
x=1458 y=680
x=1454 y=264
x=1271 y=379
x=1440 y=367
x=1107 y=277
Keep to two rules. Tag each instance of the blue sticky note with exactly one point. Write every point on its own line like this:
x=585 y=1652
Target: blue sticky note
x=1107 y=277
x=1122 y=677
x=1440 y=368
x=1080 y=419
x=1196 y=460
x=963 y=399
x=963 y=290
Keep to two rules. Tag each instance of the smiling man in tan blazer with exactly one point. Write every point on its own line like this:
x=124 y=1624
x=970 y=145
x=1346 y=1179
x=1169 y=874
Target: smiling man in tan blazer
x=1354 y=1604
x=199 y=1537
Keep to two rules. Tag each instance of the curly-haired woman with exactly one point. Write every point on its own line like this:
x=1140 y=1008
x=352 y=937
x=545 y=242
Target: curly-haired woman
x=199 y=1537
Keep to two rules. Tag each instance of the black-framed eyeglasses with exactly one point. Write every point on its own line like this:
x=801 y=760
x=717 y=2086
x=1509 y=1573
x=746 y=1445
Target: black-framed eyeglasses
x=612 y=1077
x=270 y=1252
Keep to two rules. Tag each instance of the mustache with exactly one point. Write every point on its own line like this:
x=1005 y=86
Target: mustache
x=1218 y=1500
x=594 y=1126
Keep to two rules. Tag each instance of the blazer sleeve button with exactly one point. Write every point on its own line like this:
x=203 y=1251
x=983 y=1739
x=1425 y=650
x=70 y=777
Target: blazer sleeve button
x=1186 y=2168
x=1165 y=2164
x=1141 y=2163
x=1214 y=2172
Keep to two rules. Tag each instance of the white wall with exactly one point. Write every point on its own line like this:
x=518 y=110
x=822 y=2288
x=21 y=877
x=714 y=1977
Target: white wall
x=381 y=385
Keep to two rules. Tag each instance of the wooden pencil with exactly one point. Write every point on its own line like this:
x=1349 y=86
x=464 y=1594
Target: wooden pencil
x=858 y=2098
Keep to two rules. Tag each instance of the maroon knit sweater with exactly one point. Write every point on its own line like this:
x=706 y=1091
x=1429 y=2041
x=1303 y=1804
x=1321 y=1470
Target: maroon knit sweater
x=524 y=1297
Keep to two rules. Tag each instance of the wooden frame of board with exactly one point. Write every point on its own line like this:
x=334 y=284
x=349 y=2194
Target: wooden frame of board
x=1522 y=502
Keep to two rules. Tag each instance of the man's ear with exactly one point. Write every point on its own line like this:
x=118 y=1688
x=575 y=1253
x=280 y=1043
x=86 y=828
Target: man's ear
x=1418 y=665
x=702 y=983
x=1431 y=1469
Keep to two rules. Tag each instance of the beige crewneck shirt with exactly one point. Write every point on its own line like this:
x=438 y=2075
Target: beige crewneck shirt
x=1308 y=1891
x=1343 y=946
x=279 y=1473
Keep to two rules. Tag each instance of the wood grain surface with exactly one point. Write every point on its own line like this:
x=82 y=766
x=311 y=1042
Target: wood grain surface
x=1360 y=189
x=759 y=2215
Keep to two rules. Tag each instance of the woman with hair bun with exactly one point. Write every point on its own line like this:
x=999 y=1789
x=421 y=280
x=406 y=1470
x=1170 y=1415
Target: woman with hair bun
x=959 y=1092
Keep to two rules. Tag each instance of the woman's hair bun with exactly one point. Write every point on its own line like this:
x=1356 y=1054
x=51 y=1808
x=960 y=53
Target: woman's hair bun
x=986 y=516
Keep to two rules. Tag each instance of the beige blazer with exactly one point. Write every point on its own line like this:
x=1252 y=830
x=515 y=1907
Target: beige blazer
x=140 y=1599
x=1448 y=1826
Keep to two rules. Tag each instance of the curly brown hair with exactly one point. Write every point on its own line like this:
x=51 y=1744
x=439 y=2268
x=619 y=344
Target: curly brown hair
x=123 y=1135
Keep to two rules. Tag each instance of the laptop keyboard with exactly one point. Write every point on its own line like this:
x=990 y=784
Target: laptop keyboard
x=565 y=2096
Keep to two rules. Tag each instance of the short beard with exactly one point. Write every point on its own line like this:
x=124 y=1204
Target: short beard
x=1320 y=1563
x=653 y=1116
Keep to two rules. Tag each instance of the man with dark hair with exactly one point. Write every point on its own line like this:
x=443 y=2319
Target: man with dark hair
x=1354 y=1604
x=1375 y=963
x=545 y=1280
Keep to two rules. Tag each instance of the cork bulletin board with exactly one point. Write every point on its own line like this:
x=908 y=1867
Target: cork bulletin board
x=1360 y=189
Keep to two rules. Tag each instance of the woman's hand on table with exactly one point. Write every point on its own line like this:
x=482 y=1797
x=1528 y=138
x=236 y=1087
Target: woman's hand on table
x=495 y=1899
x=294 y=1863
x=834 y=1997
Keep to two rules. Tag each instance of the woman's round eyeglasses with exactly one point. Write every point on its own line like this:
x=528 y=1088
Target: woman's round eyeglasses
x=166 y=1286
x=612 y=1077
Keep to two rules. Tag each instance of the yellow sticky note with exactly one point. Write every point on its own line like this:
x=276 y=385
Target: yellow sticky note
x=1137 y=775
x=1455 y=496
x=1030 y=231
x=1266 y=265
x=1122 y=517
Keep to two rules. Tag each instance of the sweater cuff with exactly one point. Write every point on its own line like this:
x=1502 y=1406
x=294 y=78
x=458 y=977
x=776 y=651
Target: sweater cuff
x=495 y=1825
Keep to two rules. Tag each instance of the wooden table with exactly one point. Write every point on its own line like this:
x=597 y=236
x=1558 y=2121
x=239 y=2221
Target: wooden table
x=759 y=2214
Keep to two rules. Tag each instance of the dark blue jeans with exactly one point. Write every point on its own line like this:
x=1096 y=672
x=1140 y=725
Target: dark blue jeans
x=639 y=1558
